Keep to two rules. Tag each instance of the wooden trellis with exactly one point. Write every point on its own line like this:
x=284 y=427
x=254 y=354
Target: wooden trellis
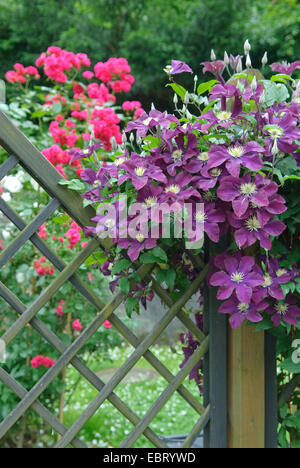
x=212 y=417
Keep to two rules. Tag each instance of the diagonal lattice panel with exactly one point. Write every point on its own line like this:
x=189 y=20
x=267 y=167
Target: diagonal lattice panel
x=22 y=152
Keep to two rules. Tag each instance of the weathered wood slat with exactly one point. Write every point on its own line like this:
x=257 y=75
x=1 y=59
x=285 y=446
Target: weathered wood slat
x=131 y=361
x=38 y=407
x=27 y=232
x=7 y=166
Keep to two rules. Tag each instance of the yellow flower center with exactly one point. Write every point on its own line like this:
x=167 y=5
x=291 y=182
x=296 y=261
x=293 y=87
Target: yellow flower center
x=150 y=201
x=173 y=189
x=236 y=151
x=177 y=155
x=140 y=171
x=243 y=307
x=275 y=132
x=281 y=308
x=248 y=189
x=223 y=115
x=281 y=272
x=203 y=156
x=140 y=238
x=253 y=224
x=109 y=223
x=215 y=172
x=119 y=161
x=201 y=216
x=268 y=281
x=237 y=277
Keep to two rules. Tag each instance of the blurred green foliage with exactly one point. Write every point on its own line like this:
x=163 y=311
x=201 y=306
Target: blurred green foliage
x=149 y=33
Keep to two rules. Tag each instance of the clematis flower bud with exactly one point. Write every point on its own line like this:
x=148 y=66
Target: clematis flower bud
x=247 y=47
x=175 y=99
x=212 y=55
x=226 y=58
x=264 y=60
x=275 y=149
x=248 y=61
x=186 y=98
x=239 y=66
x=254 y=84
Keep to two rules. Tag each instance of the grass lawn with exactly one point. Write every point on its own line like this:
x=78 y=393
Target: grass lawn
x=107 y=428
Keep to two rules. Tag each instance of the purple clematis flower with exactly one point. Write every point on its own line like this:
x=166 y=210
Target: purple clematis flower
x=175 y=157
x=223 y=119
x=241 y=192
x=285 y=68
x=252 y=228
x=285 y=310
x=236 y=156
x=240 y=311
x=137 y=245
x=146 y=121
x=177 y=189
x=211 y=217
x=274 y=277
x=284 y=129
x=139 y=171
x=179 y=67
x=216 y=68
x=86 y=153
x=238 y=276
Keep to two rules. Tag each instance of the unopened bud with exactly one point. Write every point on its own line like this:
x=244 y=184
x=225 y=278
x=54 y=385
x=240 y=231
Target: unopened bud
x=254 y=84
x=196 y=78
x=188 y=115
x=152 y=106
x=212 y=55
x=124 y=138
x=226 y=58
x=247 y=47
x=262 y=98
x=275 y=149
x=114 y=145
x=175 y=99
x=186 y=98
x=264 y=60
x=239 y=66
x=248 y=61
x=131 y=137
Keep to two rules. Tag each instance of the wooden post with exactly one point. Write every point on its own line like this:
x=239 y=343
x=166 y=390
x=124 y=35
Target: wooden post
x=2 y=91
x=246 y=388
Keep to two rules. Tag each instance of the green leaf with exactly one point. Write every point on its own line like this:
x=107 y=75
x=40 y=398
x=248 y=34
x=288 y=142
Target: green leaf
x=61 y=219
x=124 y=285
x=274 y=93
x=265 y=324
x=131 y=304
x=160 y=253
x=204 y=87
x=120 y=266
x=290 y=366
x=180 y=90
x=97 y=258
x=281 y=78
x=74 y=184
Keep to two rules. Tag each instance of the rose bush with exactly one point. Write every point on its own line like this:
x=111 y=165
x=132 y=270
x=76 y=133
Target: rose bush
x=74 y=104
